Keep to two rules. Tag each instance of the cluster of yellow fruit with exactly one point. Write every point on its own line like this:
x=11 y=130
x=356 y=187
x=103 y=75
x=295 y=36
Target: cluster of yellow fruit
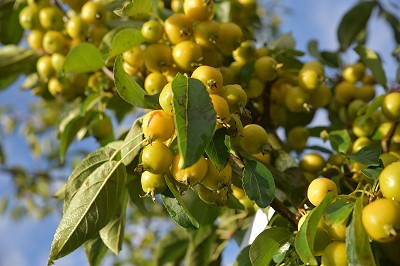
x=52 y=33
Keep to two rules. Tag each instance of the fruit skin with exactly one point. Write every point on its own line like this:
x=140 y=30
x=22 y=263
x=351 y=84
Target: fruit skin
x=187 y=55
x=211 y=78
x=389 y=181
x=51 y=18
x=199 y=9
x=29 y=18
x=391 y=106
x=266 y=68
x=214 y=179
x=318 y=189
x=101 y=127
x=218 y=197
x=44 y=67
x=381 y=219
x=152 y=183
x=354 y=72
x=152 y=31
x=154 y=83
x=312 y=162
x=157 y=157
x=254 y=139
x=221 y=109
x=178 y=28
x=335 y=254
x=55 y=42
x=190 y=175
x=166 y=99
x=158 y=125
x=297 y=138
x=235 y=96
x=93 y=13
x=158 y=57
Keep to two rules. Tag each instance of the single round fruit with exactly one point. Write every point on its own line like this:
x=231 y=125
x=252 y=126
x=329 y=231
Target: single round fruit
x=297 y=99
x=152 y=183
x=245 y=53
x=345 y=92
x=310 y=79
x=391 y=106
x=187 y=55
x=229 y=38
x=381 y=219
x=218 y=197
x=337 y=231
x=166 y=99
x=360 y=143
x=221 y=109
x=57 y=61
x=364 y=127
x=389 y=181
x=158 y=57
x=199 y=9
x=366 y=92
x=134 y=57
x=55 y=42
x=76 y=28
x=206 y=33
x=354 y=72
x=265 y=68
x=178 y=28
x=214 y=179
x=335 y=254
x=235 y=96
x=51 y=18
x=35 y=39
x=297 y=138
x=93 y=13
x=101 y=127
x=44 y=67
x=190 y=175
x=254 y=139
x=321 y=96
x=157 y=157
x=312 y=162
x=29 y=18
x=255 y=88
x=211 y=78
x=152 y=31
x=158 y=125
x=318 y=189
x=154 y=83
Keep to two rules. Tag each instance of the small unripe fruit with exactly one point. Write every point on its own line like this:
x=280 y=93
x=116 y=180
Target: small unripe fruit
x=319 y=188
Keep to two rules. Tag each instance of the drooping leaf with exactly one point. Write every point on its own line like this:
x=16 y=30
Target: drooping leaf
x=201 y=211
x=393 y=21
x=124 y=40
x=135 y=8
x=130 y=90
x=132 y=142
x=368 y=155
x=373 y=106
x=95 y=250
x=243 y=258
x=304 y=240
x=15 y=60
x=331 y=59
x=338 y=211
x=217 y=151
x=340 y=140
x=195 y=117
x=83 y=170
x=353 y=22
x=84 y=57
x=5 y=82
x=172 y=247
x=177 y=208
x=258 y=182
x=90 y=209
x=267 y=244
x=113 y=233
x=11 y=31
x=135 y=192
x=373 y=62
x=357 y=244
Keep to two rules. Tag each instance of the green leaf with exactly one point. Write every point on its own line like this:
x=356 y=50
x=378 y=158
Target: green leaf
x=331 y=59
x=312 y=48
x=135 y=8
x=340 y=140
x=373 y=62
x=258 y=182
x=83 y=170
x=338 y=211
x=132 y=142
x=124 y=40
x=177 y=208
x=172 y=247
x=267 y=244
x=217 y=151
x=5 y=82
x=243 y=258
x=11 y=31
x=304 y=240
x=91 y=100
x=353 y=22
x=284 y=42
x=373 y=106
x=15 y=60
x=135 y=191
x=90 y=209
x=200 y=247
x=393 y=21
x=130 y=90
x=95 y=250
x=113 y=233
x=357 y=244
x=372 y=172
x=195 y=118
x=368 y=155
x=85 y=57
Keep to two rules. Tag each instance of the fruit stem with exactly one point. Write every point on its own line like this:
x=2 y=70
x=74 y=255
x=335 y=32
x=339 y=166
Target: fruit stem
x=284 y=211
x=108 y=73
x=387 y=139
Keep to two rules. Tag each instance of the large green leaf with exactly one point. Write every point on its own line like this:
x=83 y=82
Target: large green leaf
x=373 y=62
x=243 y=258
x=7 y=81
x=11 y=31
x=83 y=170
x=267 y=244
x=172 y=247
x=95 y=250
x=130 y=90
x=132 y=142
x=136 y=8
x=15 y=60
x=90 y=209
x=258 y=182
x=357 y=244
x=368 y=155
x=340 y=140
x=304 y=241
x=353 y=22
x=85 y=57
x=393 y=21
x=177 y=208
x=124 y=40
x=217 y=151
x=338 y=211
x=195 y=118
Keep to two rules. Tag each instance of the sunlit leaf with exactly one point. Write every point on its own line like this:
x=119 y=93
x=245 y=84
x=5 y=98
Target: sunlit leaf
x=135 y=8
x=124 y=40
x=340 y=140
x=91 y=100
x=195 y=117
x=267 y=244
x=353 y=22
x=90 y=209
x=130 y=90
x=373 y=62
x=258 y=182
x=217 y=151
x=338 y=211
x=84 y=57
x=243 y=258
x=357 y=244
x=132 y=142
x=368 y=155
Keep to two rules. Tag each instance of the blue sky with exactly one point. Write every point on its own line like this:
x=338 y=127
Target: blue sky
x=27 y=242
